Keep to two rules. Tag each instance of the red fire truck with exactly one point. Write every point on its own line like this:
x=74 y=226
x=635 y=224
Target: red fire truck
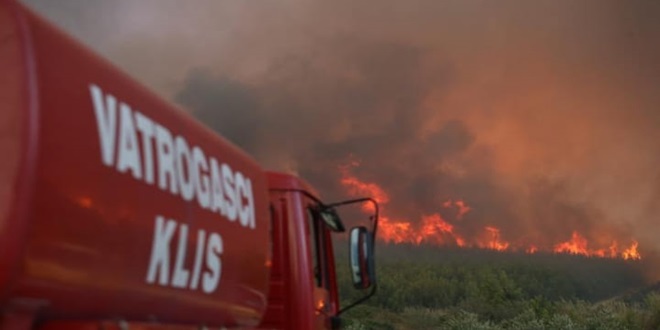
x=120 y=211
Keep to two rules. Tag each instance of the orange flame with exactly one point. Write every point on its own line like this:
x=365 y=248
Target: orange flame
x=434 y=229
x=394 y=231
x=576 y=245
x=579 y=245
x=460 y=205
x=358 y=188
x=631 y=253
x=493 y=240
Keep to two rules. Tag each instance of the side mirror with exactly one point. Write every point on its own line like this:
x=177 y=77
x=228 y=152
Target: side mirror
x=331 y=219
x=361 y=257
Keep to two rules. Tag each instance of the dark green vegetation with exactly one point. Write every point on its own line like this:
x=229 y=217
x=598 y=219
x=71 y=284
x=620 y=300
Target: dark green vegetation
x=434 y=288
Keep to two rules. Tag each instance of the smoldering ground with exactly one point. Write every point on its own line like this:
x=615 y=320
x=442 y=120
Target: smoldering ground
x=543 y=116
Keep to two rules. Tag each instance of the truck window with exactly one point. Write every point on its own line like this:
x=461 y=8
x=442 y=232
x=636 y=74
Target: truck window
x=316 y=247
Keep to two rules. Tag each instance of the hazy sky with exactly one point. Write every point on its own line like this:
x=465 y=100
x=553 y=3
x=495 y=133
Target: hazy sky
x=544 y=116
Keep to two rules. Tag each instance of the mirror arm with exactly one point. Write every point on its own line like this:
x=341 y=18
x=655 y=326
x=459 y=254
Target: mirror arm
x=361 y=300
x=359 y=200
x=373 y=241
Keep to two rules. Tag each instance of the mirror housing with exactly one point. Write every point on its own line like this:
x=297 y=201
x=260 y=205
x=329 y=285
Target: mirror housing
x=331 y=219
x=361 y=257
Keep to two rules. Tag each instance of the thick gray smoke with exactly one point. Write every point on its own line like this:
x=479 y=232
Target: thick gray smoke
x=543 y=116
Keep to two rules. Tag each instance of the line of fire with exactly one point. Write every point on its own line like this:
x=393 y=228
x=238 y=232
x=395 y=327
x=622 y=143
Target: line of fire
x=435 y=229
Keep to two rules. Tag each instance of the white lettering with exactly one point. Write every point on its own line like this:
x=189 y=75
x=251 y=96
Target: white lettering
x=129 y=154
x=185 y=172
x=213 y=263
x=199 y=254
x=164 y=147
x=159 y=263
x=241 y=192
x=126 y=140
x=207 y=254
x=146 y=128
x=181 y=274
x=231 y=204
x=203 y=190
x=217 y=195
x=106 y=122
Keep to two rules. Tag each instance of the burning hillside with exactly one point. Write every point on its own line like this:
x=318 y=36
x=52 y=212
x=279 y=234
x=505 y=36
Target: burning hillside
x=434 y=229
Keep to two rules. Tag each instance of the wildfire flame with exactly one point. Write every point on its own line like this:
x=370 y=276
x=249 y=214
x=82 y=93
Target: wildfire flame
x=461 y=206
x=579 y=245
x=493 y=240
x=434 y=229
x=631 y=252
x=576 y=245
x=358 y=188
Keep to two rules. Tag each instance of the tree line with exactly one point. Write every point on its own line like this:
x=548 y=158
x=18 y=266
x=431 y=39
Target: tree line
x=427 y=287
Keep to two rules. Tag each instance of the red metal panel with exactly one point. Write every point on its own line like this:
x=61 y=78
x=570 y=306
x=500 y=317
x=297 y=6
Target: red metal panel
x=283 y=181
x=276 y=315
x=288 y=194
x=117 y=325
x=332 y=280
x=293 y=297
x=16 y=142
x=124 y=221
x=299 y=272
